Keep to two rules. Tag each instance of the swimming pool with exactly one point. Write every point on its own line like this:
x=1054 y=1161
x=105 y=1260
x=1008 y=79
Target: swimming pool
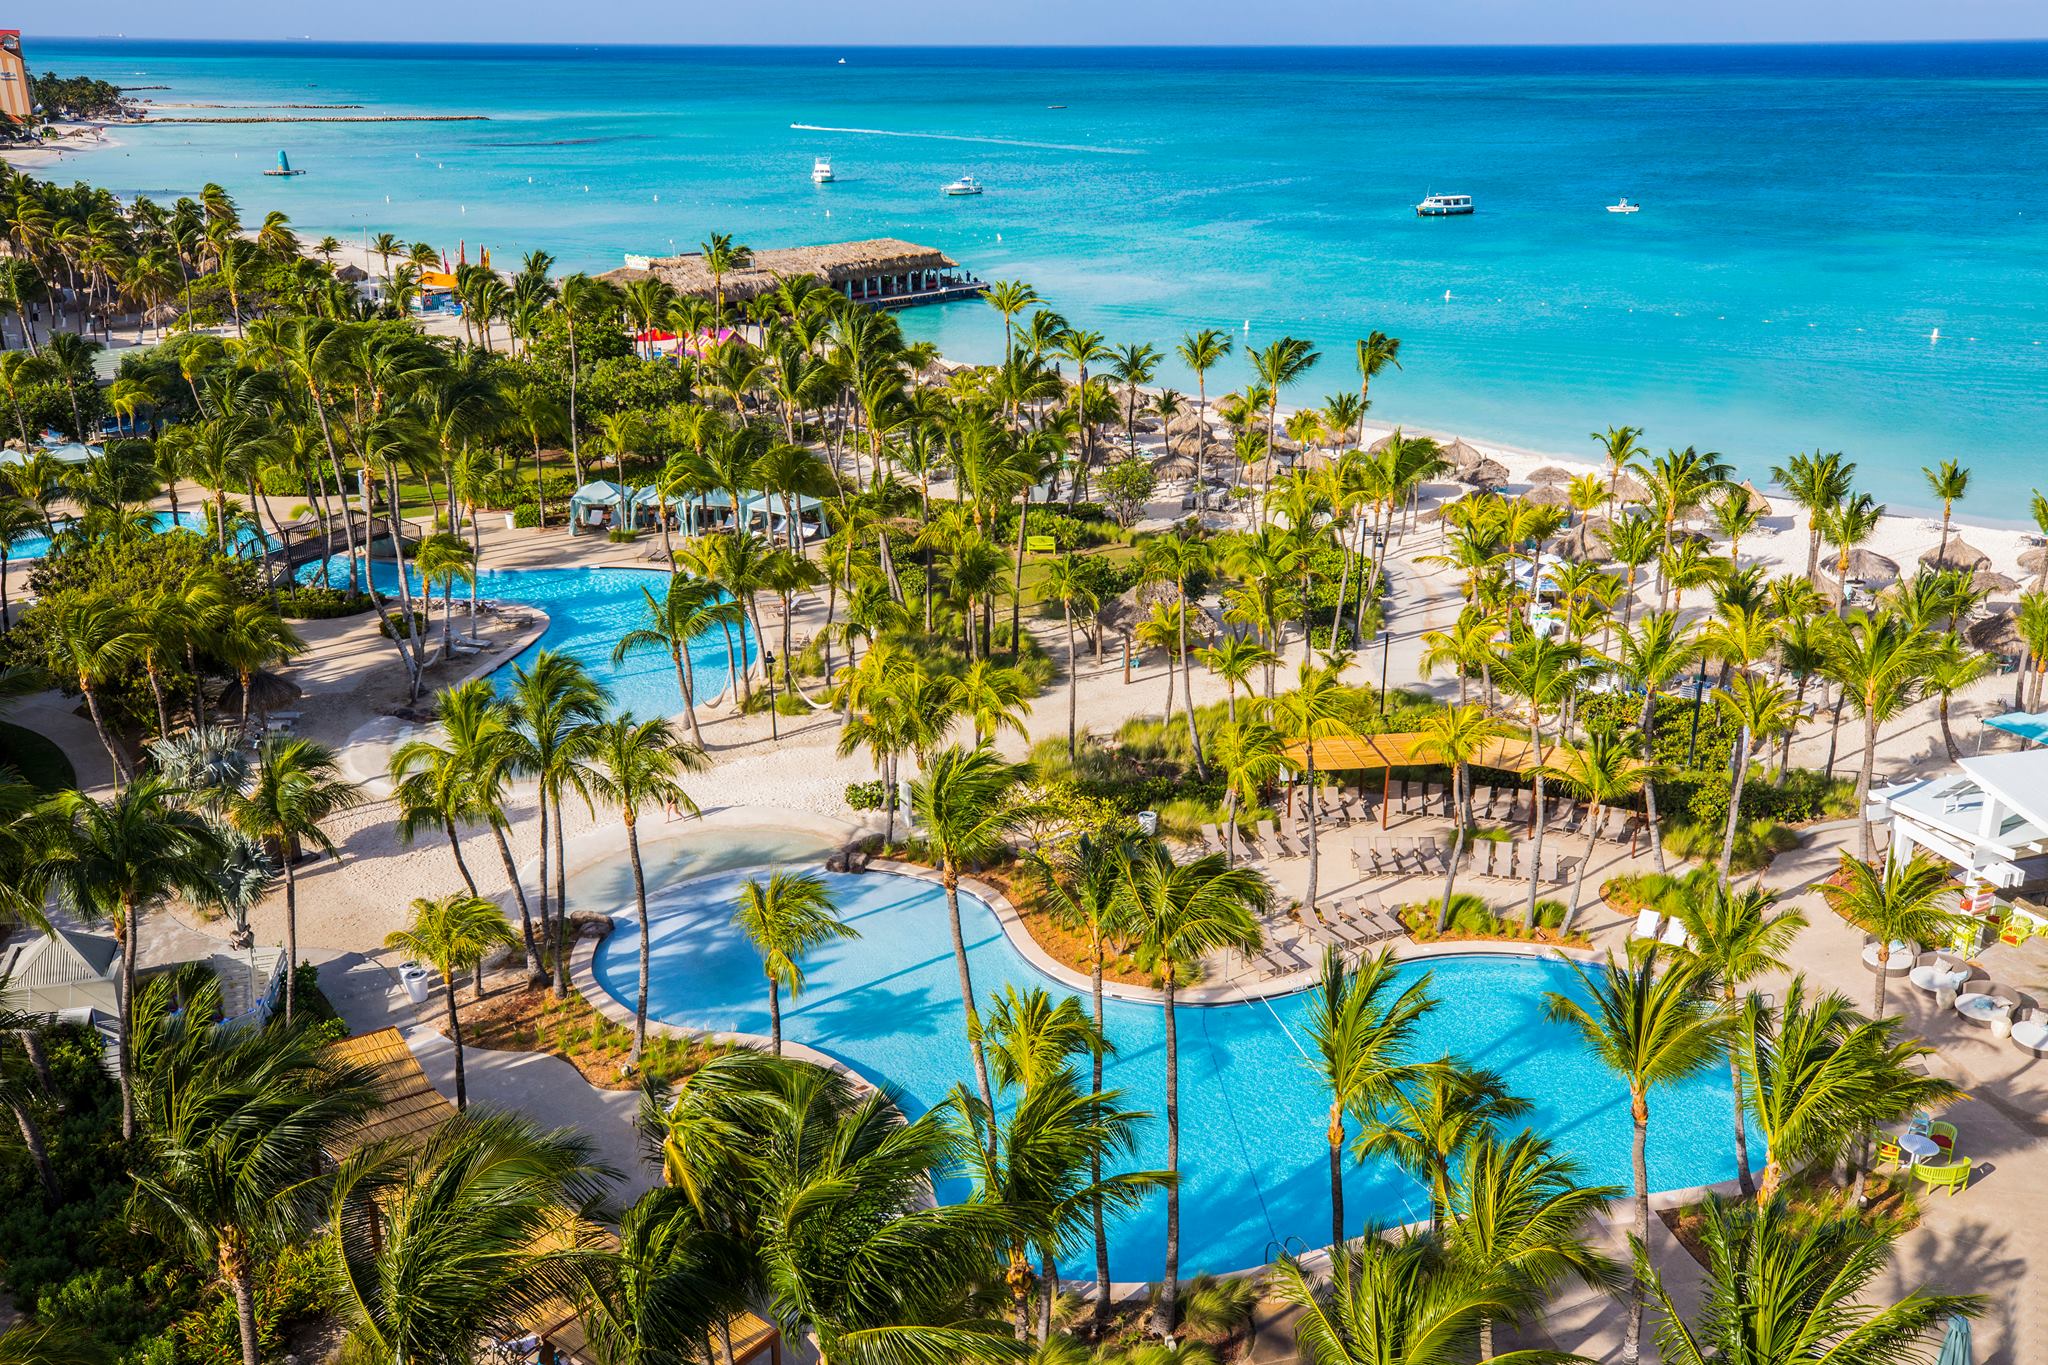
x=35 y=547
x=589 y=611
x=1255 y=1163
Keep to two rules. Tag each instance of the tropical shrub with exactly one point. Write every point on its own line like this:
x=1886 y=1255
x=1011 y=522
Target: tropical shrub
x=526 y=515
x=319 y=602
x=866 y=795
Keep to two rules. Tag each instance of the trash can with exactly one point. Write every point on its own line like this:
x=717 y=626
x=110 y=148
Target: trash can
x=1148 y=822
x=417 y=980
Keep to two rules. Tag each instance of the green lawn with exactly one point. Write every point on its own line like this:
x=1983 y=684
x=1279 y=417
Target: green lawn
x=41 y=763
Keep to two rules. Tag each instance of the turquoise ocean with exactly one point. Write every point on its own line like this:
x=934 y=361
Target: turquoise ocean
x=1810 y=215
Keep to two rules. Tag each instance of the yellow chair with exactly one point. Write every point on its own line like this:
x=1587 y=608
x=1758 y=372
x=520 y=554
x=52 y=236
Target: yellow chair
x=1888 y=1150
x=1952 y=1174
x=1944 y=1135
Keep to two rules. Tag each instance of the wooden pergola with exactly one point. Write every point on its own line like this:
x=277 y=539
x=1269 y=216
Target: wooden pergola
x=1412 y=749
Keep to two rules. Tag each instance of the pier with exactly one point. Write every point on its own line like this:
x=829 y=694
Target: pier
x=883 y=272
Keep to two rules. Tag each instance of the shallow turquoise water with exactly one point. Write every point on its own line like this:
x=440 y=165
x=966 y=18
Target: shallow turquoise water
x=589 y=611
x=1811 y=214
x=1253 y=1115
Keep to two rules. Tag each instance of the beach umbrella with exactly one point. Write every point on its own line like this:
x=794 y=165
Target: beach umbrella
x=1485 y=474
x=2034 y=560
x=1460 y=454
x=1868 y=565
x=1585 y=541
x=1629 y=488
x=1548 y=495
x=1758 y=503
x=1551 y=473
x=1955 y=1347
x=1145 y=425
x=1957 y=554
x=1173 y=466
x=1990 y=580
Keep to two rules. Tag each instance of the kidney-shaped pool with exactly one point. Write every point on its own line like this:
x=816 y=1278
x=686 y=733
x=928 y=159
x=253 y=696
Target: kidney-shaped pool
x=1255 y=1169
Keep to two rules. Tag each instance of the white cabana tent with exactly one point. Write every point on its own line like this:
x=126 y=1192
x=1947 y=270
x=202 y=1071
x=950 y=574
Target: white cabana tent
x=767 y=510
x=598 y=504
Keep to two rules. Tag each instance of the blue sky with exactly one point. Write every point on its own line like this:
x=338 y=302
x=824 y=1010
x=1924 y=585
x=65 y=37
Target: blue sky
x=1043 y=21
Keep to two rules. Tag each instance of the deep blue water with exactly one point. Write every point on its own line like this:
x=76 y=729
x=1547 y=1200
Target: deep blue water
x=1811 y=215
x=1253 y=1114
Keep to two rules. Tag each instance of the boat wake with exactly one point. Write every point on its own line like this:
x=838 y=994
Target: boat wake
x=962 y=137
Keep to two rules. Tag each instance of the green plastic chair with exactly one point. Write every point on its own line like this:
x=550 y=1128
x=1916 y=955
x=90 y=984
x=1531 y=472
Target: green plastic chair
x=1952 y=1174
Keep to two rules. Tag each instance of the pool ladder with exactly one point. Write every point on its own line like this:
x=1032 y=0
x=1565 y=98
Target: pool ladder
x=1287 y=1246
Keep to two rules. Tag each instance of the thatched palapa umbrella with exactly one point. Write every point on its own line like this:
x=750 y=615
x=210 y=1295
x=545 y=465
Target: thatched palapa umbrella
x=1998 y=633
x=1758 y=503
x=1990 y=580
x=1460 y=454
x=1957 y=554
x=1548 y=495
x=1867 y=565
x=2035 y=560
x=1551 y=473
x=1485 y=474
x=1629 y=488
x=1584 y=541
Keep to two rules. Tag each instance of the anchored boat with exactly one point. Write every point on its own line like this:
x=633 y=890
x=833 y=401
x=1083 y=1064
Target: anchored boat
x=1444 y=206
x=821 y=171
x=966 y=184
x=1624 y=207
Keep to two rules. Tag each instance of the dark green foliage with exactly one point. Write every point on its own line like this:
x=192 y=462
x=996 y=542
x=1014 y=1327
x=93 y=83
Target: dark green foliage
x=74 y=96
x=865 y=795
x=1082 y=529
x=526 y=515
x=548 y=351
x=626 y=383
x=319 y=602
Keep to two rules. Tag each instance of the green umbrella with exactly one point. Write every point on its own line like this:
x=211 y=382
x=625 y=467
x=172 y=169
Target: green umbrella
x=1955 y=1347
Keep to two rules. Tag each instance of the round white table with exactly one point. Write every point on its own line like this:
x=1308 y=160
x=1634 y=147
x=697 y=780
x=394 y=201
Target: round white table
x=1917 y=1147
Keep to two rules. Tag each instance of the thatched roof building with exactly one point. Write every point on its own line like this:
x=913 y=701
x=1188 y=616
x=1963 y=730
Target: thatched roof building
x=408 y=1106
x=878 y=268
x=1957 y=554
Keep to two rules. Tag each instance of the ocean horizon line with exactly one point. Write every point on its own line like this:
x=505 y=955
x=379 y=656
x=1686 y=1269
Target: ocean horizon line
x=1618 y=45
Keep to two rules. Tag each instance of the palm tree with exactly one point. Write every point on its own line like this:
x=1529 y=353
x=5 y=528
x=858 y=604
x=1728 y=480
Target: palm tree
x=1544 y=673
x=1518 y=1217
x=1067 y=584
x=1202 y=352
x=236 y=1167
x=1819 y=1076
x=1948 y=481
x=1737 y=936
x=1880 y=663
x=482 y=1221
x=1179 y=913
x=113 y=860
x=1604 y=771
x=963 y=801
x=1362 y=1031
x=1277 y=366
x=554 y=706
x=1397 y=1301
x=1234 y=659
x=453 y=934
x=1621 y=447
x=1009 y=298
x=632 y=764
x=1175 y=559
x=1455 y=736
x=1910 y=904
x=673 y=1281
x=1760 y=709
x=1788 y=1287
x=1375 y=352
x=297 y=786
x=90 y=639
x=1844 y=525
x=785 y=917
x=1652 y=1029
x=1815 y=482
x=1426 y=1127
x=691 y=609
x=1318 y=708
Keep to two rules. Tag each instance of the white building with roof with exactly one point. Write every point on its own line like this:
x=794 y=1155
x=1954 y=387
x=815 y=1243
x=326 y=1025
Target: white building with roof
x=1988 y=818
x=71 y=971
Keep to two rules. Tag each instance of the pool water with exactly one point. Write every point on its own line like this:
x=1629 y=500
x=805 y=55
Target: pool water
x=589 y=611
x=246 y=539
x=1253 y=1114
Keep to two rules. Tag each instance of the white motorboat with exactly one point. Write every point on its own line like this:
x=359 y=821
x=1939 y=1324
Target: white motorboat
x=1624 y=207
x=821 y=171
x=1444 y=206
x=966 y=184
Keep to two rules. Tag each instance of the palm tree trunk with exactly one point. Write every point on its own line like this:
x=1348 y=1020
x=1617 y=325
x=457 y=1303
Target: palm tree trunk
x=1336 y=1138
x=561 y=905
x=1734 y=803
x=1309 y=797
x=455 y=847
x=245 y=1312
x=1864 y=771
x=1165 y=1314
x=952 y=882
x=533 y=967
x=1073 y=687
x=1742 y=1174
x=775 y=1014
x=92 y=706
x=1459 y=781
x=640 y=907
x=1187 y=688
x=291 y=927
x=455 y=1037
x=38 y=1151
x=1632 y=1345
x=1101 y=1229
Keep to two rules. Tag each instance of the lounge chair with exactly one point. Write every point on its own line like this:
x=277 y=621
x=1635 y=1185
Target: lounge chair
x=1941 y=974
x=1951 y=1173
x=2031 y=1034
x=1649 y=924
x=1674 y=935
x=1212 y=839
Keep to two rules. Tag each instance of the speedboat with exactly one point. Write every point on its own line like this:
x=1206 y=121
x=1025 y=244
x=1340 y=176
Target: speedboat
x=966 y=184
x=821 y=171
x=1444 y=206
x=1624 y=207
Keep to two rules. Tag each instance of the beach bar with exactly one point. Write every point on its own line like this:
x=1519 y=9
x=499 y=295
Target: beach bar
x=883 y=271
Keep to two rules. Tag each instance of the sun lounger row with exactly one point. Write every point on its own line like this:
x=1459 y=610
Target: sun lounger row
x=1651 y=926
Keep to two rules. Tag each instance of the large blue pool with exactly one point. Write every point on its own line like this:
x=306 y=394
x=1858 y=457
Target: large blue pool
x=1255 y=1166
x=246 y=540
x=589 y=611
